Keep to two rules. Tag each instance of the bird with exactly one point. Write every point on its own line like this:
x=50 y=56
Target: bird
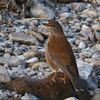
x=59 y=54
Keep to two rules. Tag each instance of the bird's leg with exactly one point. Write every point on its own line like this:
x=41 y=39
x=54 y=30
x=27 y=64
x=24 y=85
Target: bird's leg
x=63 y=79
x=53 y=78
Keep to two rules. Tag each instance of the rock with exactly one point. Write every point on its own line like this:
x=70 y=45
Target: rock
x=1 y=18
x=96 y=28
x=42 y=29
x=23 y=38
x=79 y=7
x=64 y=16
x=9 y=50
x=93 y=80
x=18 y=51
x=12 y=61
x=85 y=54
x=71 y=98
x=97 y=35
x=97 y=47
x=40 y=65
x=37 y=35
x=30 y=53
x=72 y=40
x=97 y=95
x=4 y=75
x=6 y=55
x=76 y=27
x=98 y=2
x=41 y=11
x=3 y=96
x=96 y=55
x=86 y=31
x=82 y=45
x=28 y=97
x=90 y=13
x=32 y=60
x=84 y=69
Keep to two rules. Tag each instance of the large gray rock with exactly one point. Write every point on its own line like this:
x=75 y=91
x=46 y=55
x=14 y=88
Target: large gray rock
x=41 y=11
x=23 y=38
x=4 y=75
x=12 y=61
x=90 y=13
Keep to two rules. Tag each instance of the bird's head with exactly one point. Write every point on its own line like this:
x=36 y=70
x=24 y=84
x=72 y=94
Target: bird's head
x=53 y=26
x=52 y=23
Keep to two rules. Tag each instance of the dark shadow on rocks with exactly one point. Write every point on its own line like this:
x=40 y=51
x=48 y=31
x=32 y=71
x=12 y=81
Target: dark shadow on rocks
x=46 y=89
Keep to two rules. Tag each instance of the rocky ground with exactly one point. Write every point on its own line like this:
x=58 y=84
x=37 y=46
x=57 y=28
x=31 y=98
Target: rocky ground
x=22 y=44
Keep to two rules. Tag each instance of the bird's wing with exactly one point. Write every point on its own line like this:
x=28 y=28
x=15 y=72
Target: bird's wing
x=64 y=61
x=66 y=66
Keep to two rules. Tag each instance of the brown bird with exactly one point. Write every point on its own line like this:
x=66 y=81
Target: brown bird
x=59 y=54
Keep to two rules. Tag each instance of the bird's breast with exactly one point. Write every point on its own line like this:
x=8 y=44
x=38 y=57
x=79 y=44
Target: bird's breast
x=56 y=44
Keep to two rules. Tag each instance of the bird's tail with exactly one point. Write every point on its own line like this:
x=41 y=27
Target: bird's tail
x=76 y=82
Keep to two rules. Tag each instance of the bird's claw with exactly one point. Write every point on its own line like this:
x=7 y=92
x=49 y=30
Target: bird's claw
x=53 y=79
x=63 y=79
x=79 y=90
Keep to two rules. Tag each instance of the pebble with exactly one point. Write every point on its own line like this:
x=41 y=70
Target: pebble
x=71 y=98
x=82 y=45
x=32 y=60
x=90 y=13
x=4 y=75
x=28 y=97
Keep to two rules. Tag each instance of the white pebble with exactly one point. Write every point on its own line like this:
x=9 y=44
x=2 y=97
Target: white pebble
x=32 y=60
x=82 y=45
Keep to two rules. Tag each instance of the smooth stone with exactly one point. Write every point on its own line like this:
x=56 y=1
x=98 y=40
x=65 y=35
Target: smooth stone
x=86 y=31
x=12 y=61
x=23 y=38
x=30 y=53
x=4 y=75
x=41 y=11
x=82 y=45
x=84 y=69
x=98 y=36
x=3 y=96
x=79 y=7
x=96 y=55
x=36 y=35
x=32 y=60
x=85 y=54
x=90 y=13
x=28 y=97
x=71 y=98
x=97 y=47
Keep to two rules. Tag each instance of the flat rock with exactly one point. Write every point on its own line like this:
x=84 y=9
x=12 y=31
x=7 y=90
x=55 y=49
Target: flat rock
x=90 y=13
x=97 y=47
x=71 y=98
x=37 y=35
x=23 y=38
x=12 y=61
x=30 y=53
x=4 y=75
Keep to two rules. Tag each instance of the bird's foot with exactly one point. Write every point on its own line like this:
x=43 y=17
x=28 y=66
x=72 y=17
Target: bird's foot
x=53 y=79
x=79 y=90
x=63 y=79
